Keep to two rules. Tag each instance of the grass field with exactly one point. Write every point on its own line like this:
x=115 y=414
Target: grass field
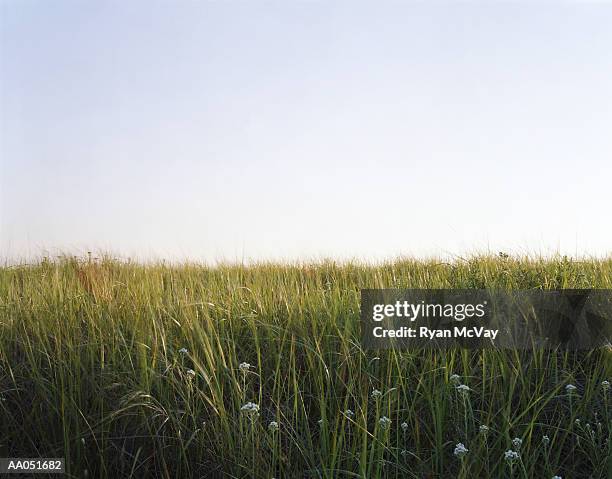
x=131 y=370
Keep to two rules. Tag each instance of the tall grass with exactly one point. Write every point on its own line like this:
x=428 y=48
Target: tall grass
x=91 y=369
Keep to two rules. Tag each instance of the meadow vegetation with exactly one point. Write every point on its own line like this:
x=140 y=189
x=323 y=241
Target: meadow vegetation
x=159 y=370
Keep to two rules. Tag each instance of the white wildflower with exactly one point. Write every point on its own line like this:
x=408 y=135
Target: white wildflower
x=376 y=394
x=455 y=379
x=385 y=423
x=484 y=429
x=183 y=351
x=404 y=426
x=191 y=373
x=250 y=409
x=320 y=422
x=273 y=426
x=545 y=440
x=348 y=413
x=463 y=388
x=517 y=443
x=557 y=477
x=460 y=450
x=511 y=456
x=605 y=385
x=570 y=389
x=244 y=367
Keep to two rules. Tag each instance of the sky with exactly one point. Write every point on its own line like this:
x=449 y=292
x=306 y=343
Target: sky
x=291 y=130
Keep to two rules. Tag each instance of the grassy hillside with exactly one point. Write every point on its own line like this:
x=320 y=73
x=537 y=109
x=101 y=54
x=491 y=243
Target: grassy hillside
x=92 y=368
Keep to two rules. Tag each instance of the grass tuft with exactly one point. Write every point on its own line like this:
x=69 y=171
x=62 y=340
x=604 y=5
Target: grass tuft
x=131 y=370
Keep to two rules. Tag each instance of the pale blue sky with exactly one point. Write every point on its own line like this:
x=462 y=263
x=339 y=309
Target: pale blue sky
x=280 y=130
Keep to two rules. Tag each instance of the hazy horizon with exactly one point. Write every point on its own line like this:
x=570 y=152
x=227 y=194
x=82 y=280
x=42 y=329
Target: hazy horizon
x=257 y=131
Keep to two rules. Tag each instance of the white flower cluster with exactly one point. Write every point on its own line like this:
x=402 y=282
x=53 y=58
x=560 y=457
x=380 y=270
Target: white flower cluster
x=385 y=423
x=404 y=426
x=511 y=456
x=273 y=426
x=244 y=367
x=570 y=389
x=463 y=388
x=460 y=450
x=455 y=379
x=376 y=394
x=191 y=373
x=545 y=440
x=605 y=385
x=250 y=409
x=348 y=413
x=484 y=429
x=517 y=443
x=183 y=351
